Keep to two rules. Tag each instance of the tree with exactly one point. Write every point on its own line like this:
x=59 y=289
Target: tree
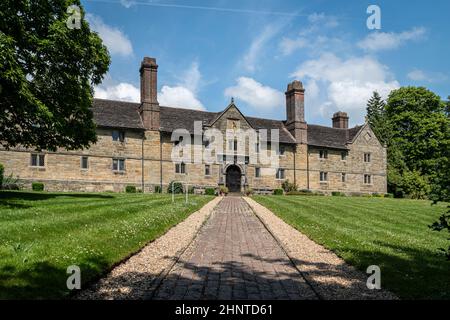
x=418 y=129
x=441 y=192
x=376 y=116
x=47 y=74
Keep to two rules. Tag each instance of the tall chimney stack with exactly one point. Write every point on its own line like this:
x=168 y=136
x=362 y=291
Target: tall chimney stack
x=295 y=111
x=149 y=102
x=340 y=120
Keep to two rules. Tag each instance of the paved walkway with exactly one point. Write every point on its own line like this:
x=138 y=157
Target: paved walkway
x=234 y=257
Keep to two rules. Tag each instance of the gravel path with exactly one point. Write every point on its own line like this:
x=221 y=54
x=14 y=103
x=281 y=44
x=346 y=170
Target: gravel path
x=328 y=274
x=234 y=257
x=137 y=276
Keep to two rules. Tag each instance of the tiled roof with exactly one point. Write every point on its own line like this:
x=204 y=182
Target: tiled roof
x=109 y=113
x=117 y=114
x=327 y=137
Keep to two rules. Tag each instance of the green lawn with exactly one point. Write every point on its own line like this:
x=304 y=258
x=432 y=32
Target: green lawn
x=390 y=233
x=41 y=234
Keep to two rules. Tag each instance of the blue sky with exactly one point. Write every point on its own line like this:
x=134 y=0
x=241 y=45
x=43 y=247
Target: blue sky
x=209 y=51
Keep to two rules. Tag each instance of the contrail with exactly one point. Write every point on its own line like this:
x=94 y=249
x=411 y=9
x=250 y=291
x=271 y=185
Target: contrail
x=181 y=6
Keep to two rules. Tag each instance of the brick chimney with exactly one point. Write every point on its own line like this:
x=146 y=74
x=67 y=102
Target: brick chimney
x=295 y=111
x=149 y=103
x=340 y=120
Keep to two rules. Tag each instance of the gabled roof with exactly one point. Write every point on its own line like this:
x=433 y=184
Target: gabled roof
x=220 y=114
x=119 y=114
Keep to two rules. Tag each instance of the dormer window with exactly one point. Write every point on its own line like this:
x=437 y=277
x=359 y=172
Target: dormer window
x=118 y=135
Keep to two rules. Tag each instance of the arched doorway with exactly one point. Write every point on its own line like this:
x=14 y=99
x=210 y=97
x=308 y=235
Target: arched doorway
x=233 y=178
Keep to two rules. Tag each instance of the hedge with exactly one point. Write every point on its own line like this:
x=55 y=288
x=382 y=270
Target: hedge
x=37 y=186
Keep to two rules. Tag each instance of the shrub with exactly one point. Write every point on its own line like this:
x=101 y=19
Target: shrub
x=223 y=190
x=366 y=195
x=130 y=189
x=337 y=194
x=210 y=191
x=191 y=190
x=37 y=186
x=248 y=191
x=158 y=189
x=278 y=192
x=302 y=193
x=177 y=187
x=305 y=191
x=2 y=170
x=377 y=195
x=288 y=187
x=388 y=195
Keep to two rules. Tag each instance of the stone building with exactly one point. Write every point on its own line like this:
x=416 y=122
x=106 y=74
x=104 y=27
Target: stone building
x=135 y=147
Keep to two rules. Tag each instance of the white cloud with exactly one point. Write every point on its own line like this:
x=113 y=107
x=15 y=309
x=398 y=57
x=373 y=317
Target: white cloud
x=127 y=3
x=250 y=59
x=115 y=40
x=191 y=78
x=255 y=94
x=313 y=36
x=183 y=94
x=179 y=97
x=377 y=41
x=122 y=91
x=288 y=45
x=344 y=85
x=420 y=75
x=323 y=19
x=314 y=43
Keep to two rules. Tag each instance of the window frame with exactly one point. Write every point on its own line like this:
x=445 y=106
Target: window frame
x=87 y=163
x=280 y=174
x=40 y=160
x=323 y=154
x=120 y=136
x=180 y=168
x=257 y=172
x=323 y=176
x=344 y=155
x=367 y=179
x=343 y=177
x=119 y=161
x=207 y=170
x=367 y=157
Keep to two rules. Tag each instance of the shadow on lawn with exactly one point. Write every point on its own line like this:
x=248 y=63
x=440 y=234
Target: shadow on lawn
x=33 y=196
x=43 y=280
x=417 y=275
x=414 y=274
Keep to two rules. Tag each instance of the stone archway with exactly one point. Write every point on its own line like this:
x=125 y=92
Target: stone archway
x=233 y=178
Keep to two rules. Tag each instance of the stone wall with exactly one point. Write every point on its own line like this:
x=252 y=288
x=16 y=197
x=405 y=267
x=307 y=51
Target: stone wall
x=63 y=172
x=354 y=166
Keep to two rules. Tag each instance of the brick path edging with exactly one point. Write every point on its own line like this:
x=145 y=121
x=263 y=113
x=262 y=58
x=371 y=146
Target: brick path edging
x=329 y=275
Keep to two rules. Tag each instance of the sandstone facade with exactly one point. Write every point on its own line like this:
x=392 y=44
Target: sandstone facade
x=313 y=157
